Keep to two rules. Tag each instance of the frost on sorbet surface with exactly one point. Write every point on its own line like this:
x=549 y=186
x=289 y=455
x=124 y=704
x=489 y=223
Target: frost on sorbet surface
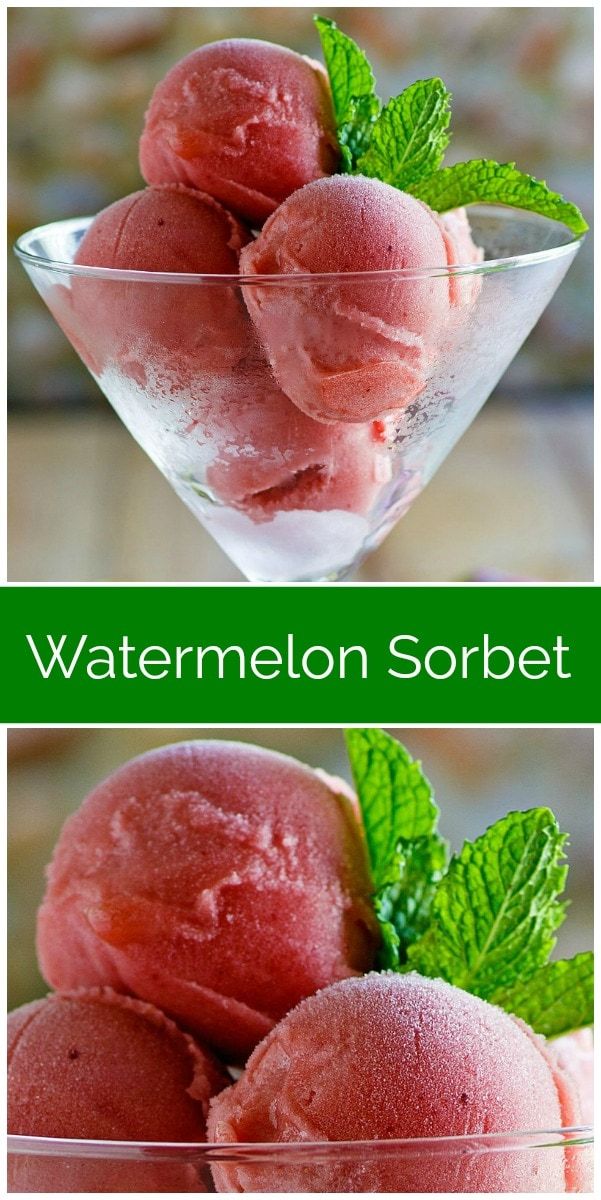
x=95 y=1064
x=350 y=349
x=217 y=880
x=392 y=1056
x=244 y=120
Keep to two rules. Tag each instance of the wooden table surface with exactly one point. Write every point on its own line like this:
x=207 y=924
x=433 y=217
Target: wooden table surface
x=513 y=499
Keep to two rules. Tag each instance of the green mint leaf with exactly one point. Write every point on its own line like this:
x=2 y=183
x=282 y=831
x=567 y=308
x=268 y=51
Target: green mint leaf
x=355 y=133
x=556 y=999
x=410 y=136
x=483 y=181
x=407 y=856
x=495 y=911
x=351 y=76
x=353 y=87
x=396 y=798
x=403 y=906
x=389 y=954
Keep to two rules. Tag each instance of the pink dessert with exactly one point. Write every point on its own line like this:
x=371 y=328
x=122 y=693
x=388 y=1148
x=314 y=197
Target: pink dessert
x=271 y=457
x=397 y=1056
x=352 y=349
x=164 y=229
x=194 y=351
x=461 y=250
x=244 y=120
x=93 y=1064
x=220 y=881
x=576 y=1054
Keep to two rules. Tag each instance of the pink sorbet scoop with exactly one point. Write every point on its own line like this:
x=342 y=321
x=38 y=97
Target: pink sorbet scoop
x=393 y=1056
x=94 y=1064
x=130 y=323
x=244 y=120
x=272 y=458
x=350 y=349
x=218 y=880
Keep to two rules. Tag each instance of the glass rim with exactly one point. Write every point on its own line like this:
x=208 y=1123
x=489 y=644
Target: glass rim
x=573 y=1136
x=510 y=262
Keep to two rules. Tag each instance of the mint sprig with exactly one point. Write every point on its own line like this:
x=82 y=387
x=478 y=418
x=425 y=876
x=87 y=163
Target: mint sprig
x=353 y=88
x=403 y=143
x=483 y=181
x=409 y=138
x=496 y=910
x=487 y=923
x=407 y=856
x=556 y=999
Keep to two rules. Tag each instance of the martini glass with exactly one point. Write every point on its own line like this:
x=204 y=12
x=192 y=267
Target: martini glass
x=546 y=1161
x=286 y=496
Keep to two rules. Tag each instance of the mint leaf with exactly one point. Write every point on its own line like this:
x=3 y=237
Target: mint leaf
x=407 y=856
x=410 y=136
x=353 y=87
x=389 y=953
x=495 y=911
x=484 y=181
x=403 y=906
x=396 y=798
x=355 y=133
x=351 y=76
x=556 y=999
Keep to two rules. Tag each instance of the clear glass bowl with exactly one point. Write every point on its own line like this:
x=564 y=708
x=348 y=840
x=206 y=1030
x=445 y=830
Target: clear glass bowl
x=405 y=359
x=546 y=1161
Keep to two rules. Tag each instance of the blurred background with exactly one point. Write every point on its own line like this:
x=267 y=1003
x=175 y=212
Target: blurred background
x=479 y=775
x=84 y=502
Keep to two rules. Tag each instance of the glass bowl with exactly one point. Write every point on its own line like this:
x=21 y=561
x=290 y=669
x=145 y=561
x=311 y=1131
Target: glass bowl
x=299 y=437
x=545 y=1161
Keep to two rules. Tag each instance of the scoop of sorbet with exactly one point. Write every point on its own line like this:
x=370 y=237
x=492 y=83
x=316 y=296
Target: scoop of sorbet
x=94 y=1064
x=271 y=457
x=351 y=348
x=220 y=881
x=392 y=1057
x=129 y=323
x=244 y=120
